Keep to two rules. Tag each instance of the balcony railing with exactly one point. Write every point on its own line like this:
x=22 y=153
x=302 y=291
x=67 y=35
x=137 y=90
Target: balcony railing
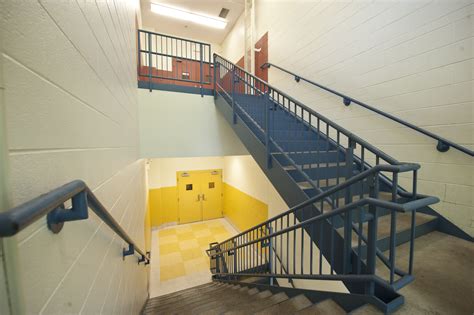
x=166 y=60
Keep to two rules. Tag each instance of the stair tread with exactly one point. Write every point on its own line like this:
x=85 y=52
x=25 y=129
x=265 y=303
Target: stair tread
x=289 y=306
x=367 y=309
x=260 y=304
x=204 y=302
x=322 y=308
x=181 y=295
x=314 y=165
x=403 y=224
x=172 y=294
x=228 y=304
x=185 y=302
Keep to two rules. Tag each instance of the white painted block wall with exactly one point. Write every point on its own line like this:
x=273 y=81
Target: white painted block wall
x=413 y=59
x=183 y=125
x=4 y=298
x=72 y=113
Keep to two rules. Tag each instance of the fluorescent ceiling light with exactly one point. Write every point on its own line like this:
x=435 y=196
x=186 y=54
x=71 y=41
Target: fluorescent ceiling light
x=187 y=16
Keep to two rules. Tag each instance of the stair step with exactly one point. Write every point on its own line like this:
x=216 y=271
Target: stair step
x=323 y=308
x=322 y=183
x=260 y=304
x=228 y=304
x=191 y=301
x=309 y=157
x=315 y=166
x=323 y=172
x=185 y=294
x=342 y=201
x=206 y=302
x=367 y=309
x=300 y=145
x=221 y=304
x=290 y=306
x=383 y=226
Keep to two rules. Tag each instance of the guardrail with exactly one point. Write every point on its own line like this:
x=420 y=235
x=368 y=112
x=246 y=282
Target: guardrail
x=246 y=253
x=167 y=59
x=253 y=251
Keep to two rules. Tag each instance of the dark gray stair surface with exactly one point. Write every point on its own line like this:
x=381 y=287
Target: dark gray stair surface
x=233 y=299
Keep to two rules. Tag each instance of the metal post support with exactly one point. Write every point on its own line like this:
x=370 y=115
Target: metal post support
x=201 y=69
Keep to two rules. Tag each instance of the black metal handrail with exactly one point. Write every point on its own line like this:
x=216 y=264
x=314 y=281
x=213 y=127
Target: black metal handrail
x=256 y=103
x=374 y=170
x=443 y=144
x=269 y=89
x=261 y=233
x=51 y=205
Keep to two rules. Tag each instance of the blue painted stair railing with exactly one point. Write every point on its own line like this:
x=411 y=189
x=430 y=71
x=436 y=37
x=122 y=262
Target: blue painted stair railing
x=346 y=186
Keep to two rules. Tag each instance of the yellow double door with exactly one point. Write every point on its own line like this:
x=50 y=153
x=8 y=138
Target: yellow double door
x=199 y=195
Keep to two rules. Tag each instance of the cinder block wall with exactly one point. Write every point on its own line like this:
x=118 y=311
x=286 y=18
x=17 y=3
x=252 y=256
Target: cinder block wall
x=70 y=94
x=412 y=59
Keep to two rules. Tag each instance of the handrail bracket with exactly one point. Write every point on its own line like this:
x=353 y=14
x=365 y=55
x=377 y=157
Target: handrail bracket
x=442 y=146
x=78 y=211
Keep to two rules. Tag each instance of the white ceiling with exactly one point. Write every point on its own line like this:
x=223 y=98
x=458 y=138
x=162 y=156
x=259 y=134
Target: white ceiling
x=167 y=25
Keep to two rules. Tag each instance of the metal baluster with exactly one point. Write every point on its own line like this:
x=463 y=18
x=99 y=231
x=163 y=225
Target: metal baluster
x=327 y=152
x=321 y=241
x=372 y=232
x=149 y=61
x=348 y=215
x=209 y=60
x=288 y=244
x=267 y=129
x=215 y=77
x=232 y=86
x=361 y=226
x=318 y=155
x=332 y=245
x=338 y=140
x=270 y=258
x=313 y=232
x=281 y=245
x=302 y=250
x=294 y=245
x=412 y=227
x=201 y=56
x=139 y=57
x=393 y=228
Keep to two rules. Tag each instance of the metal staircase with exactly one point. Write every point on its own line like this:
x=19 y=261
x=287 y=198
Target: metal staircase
x=345 y=195
x=229 y=298
x=351 y=204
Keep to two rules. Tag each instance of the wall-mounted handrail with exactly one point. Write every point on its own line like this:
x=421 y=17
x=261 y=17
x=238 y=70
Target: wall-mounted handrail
x=443 y=144
x=51 y=205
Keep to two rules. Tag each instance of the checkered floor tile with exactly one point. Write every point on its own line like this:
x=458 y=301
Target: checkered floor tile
x=182 y=248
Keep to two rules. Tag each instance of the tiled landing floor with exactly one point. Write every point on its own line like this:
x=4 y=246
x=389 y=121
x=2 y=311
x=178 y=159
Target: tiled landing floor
x=179 y=260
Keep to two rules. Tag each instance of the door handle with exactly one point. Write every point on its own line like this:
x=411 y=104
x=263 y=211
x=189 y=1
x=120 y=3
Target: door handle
x=199 y=197
x=203 y=197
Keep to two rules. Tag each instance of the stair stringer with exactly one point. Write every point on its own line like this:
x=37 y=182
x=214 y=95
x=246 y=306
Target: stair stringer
x=293 y=195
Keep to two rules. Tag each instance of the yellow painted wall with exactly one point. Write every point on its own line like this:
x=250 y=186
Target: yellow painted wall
x=148 y=228
x=242 y=209
x=169 y=204
x=163 y=205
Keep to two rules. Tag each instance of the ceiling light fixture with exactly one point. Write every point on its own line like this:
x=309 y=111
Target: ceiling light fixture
x=187 y=16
